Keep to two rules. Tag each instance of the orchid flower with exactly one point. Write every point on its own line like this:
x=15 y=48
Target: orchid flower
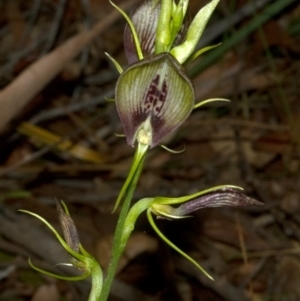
x=154 y=96
x=219 y=196
x=79 y=257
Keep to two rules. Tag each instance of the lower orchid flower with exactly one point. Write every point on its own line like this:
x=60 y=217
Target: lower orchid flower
x=219 y=196
x=79 y=257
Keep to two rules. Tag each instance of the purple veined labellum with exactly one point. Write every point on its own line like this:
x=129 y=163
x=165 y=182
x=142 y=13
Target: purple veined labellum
x=154 y=94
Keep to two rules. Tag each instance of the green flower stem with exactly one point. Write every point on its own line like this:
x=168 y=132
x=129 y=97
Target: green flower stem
x=133 y=214
x=138 y=156
x=97 y=281
x=119 y=243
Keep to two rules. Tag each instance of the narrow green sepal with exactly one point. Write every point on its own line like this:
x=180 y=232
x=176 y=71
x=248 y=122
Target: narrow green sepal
x=164 y=238
x=133 y=31
x=116 y=64
x=63 y=204
x=83 y=251
x=204 y=102
x=172 y=151
x=59 y=238
x=199 y=52
x=109 y=99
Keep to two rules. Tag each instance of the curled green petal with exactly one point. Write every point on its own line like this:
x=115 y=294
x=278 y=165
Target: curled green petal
x=163 y=237
x=204 y=102
x=71 y=278
x=116 y=64
x=173 y=151
x=165 y=211
x=199 y=52
x=183 y=51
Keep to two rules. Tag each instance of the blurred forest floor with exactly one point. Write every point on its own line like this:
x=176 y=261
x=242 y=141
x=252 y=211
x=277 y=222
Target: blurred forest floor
x=58 y=141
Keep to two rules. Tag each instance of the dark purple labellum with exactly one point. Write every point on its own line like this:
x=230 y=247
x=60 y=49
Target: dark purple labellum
x=154 y=95
x=227 y=197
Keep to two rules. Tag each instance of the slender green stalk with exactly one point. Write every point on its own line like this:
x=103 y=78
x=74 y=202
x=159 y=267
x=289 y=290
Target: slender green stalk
x=119 y=244
x=97 y=281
